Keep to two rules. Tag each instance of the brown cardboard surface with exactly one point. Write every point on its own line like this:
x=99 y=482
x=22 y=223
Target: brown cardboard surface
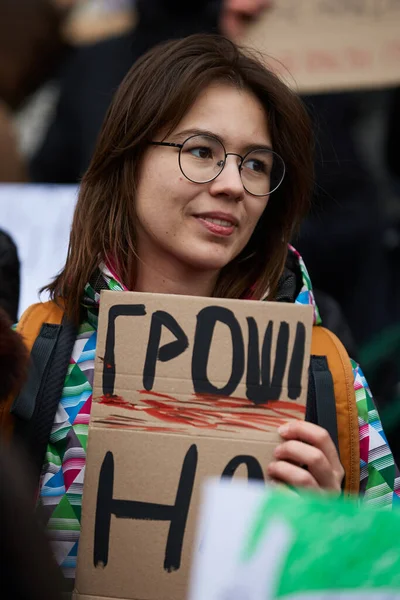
x=322 y=45
x=150 y=449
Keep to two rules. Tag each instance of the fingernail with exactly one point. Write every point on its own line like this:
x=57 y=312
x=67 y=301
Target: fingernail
x=283 y=429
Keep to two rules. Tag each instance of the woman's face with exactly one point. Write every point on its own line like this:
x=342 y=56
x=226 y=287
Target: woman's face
x=201 y=226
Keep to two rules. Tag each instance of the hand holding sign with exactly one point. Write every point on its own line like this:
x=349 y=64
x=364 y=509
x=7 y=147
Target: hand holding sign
x=307 y=445
x=236 y=14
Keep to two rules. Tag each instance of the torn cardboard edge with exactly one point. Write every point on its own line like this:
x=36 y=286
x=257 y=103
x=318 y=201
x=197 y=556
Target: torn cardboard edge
x=246 y=434
x=77 y=596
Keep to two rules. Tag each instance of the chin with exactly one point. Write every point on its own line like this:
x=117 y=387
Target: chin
x=210 y=261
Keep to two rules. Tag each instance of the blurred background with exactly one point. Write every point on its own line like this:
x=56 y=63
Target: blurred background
x=60 y=63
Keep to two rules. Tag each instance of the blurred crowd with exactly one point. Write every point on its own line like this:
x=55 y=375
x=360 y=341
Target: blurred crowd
x=60 y=63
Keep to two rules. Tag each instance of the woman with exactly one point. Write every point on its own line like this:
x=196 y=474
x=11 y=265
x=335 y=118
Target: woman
x=201 y=174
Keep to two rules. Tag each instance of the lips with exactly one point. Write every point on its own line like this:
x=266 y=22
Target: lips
x=219 y=218
x=218 y=224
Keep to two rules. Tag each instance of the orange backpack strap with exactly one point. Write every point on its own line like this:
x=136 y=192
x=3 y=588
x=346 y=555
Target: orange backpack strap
x=325 y=343
x=33 y=318
x=29 y=327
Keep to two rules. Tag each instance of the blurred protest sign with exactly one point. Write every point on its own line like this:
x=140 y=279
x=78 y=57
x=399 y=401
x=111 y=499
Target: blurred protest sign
x=323 y=45
x=91 y=21
x=270 y=544
x=38 y=218
x=180 y=393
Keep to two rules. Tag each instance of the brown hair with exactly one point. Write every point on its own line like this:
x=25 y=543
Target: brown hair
x=156 y=93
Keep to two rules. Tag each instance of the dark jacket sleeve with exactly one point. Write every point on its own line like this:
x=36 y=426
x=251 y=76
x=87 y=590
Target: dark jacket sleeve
x=28 y=568
x=9 y=276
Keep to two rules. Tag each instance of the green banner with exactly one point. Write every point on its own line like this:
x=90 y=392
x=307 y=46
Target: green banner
x=329 y=546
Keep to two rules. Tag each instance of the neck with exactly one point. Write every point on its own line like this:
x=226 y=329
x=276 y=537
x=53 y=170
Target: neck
x=173 y=279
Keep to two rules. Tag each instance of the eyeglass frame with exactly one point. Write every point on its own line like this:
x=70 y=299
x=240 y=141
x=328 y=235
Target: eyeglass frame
x=242 y=158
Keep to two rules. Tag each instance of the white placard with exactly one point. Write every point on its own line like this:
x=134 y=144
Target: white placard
x=38 y=218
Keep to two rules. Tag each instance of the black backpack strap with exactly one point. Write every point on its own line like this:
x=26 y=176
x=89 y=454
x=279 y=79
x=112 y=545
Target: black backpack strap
x=37 y=403
x=321 y=404
x=42 y=351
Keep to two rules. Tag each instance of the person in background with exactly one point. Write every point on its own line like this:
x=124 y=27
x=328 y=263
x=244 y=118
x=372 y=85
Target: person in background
x=237 y=14
x=342 y=238
x=93 y=72
x=12 y=165
x=31 y=47
x=9 y=276
x=393 y=133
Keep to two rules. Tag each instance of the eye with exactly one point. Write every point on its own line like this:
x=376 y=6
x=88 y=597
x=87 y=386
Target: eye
x=201 y=152
x=256 y=165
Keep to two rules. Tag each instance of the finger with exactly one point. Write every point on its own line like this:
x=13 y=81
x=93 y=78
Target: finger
x=315 y=460
x=247 y=6
x=316 y=436
x=292 y=475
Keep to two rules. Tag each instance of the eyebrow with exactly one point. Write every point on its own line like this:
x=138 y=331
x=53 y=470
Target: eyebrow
x=182 y=135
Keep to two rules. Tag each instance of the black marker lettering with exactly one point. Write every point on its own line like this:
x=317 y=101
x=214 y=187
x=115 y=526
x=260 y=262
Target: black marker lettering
x=130 y=509
x=296 y=363
x=206 y=321
x=119 y=310
x=254 y=470
x=167 y=352
x=269 y=388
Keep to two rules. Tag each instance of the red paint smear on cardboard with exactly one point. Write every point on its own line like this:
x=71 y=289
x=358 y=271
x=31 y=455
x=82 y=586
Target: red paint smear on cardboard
x=196 y=417
x=114 y=400
x=222 y=402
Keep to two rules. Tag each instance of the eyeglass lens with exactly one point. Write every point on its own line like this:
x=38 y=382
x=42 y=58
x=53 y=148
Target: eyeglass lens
x=202 y=159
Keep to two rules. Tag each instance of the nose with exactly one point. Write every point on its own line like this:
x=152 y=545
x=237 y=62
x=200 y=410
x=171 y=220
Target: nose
x=229 y=183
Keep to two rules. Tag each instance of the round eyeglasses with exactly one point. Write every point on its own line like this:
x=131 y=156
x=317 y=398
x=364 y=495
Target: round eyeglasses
x=202 y=158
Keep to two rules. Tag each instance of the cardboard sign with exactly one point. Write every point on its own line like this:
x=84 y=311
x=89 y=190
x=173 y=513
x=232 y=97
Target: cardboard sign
x=268 y=544
x=184 y=388
x=322 y=45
